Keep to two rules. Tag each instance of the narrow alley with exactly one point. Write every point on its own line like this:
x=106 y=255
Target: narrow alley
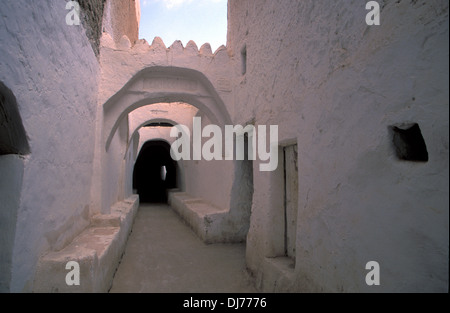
x=164 y=255
x=306 y=151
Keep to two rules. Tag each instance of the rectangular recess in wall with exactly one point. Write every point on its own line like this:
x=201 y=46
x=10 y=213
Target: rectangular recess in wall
x=409 y=143
x=244 y=60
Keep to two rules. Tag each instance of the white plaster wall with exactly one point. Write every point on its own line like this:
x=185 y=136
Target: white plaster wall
x=114 y=165
x=11 y=169
x=334 y=85
x=130 y=160
x=51 y=69
x=210 y=180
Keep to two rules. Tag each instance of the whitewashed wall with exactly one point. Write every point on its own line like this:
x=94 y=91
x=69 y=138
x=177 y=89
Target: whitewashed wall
x=334 y=85
x=114 y=165
x=52 y=71
x=209 y=180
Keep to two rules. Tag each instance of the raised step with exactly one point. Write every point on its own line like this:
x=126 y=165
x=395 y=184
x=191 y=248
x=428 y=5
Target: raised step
x=97 y=250
x=205 y=219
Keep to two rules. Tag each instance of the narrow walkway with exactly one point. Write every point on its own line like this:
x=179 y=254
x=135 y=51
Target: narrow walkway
x=164 y=255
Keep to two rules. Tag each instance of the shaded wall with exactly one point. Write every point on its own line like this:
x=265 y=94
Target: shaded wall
x=51 y=69
x=335 y=86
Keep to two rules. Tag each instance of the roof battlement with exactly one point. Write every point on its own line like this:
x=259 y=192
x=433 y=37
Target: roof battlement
x=121 y=61
x=191 y=47
x=158 y=44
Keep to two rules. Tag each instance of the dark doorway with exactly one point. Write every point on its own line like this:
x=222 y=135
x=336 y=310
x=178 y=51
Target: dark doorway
x=154 y=172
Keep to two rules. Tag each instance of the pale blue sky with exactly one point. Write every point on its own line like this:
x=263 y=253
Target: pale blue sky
x=199 y=20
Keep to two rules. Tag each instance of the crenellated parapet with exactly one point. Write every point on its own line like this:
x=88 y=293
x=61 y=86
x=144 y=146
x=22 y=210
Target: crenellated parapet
x=121 y=61
x=136 y=75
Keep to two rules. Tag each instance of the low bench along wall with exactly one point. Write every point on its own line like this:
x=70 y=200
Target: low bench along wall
x=210 y=223
x=97 y=250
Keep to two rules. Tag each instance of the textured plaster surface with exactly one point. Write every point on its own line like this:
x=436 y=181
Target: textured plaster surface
x=334 y=85
x=52 y=70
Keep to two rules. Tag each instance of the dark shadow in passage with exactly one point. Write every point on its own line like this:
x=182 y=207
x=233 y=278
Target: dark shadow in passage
x=148 y=177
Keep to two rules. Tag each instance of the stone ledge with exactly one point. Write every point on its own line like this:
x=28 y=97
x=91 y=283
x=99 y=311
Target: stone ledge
x=97 y=250
x=278 y=275
x=204 y=218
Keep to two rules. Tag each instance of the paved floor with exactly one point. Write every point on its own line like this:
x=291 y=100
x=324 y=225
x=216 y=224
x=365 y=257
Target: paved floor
x=164 y=255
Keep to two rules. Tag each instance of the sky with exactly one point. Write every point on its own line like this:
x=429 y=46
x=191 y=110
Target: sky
x=199 y=20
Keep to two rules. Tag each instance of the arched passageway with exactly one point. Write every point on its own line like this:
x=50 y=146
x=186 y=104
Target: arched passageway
x=151 y=86
x=154 y=172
